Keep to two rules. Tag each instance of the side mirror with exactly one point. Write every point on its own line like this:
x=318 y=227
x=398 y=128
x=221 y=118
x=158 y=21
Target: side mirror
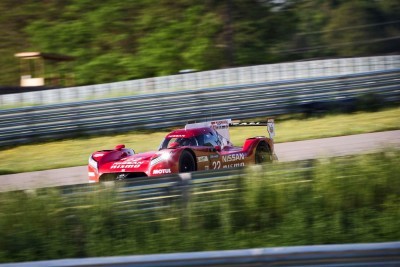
x=119 y=147
x=218 y=148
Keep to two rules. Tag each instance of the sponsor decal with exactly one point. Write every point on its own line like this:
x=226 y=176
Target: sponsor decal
x=91 y=174
x=217 y=165
x=214 y=156
x=219 y=125
x=234 y=165
x=127 y=165
x=176 y=136
x=233 y=157
x=162 y=171
x=202 y=159
x=206 y=167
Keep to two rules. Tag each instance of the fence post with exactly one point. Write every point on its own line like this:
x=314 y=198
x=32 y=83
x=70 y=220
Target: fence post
x=185 y=197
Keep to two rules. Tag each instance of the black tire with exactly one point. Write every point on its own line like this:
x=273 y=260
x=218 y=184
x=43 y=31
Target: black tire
x=186 y=162
x=263 y=153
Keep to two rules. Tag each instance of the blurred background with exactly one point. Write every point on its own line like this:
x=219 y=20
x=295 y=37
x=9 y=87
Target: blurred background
x=113 y=41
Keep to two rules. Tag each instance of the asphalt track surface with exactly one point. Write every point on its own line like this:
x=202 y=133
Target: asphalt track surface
x=290 y=151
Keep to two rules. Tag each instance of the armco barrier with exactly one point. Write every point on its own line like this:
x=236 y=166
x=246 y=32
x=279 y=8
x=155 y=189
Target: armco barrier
x=170 y=192
x=156 y=194
x=205 y=79
x=370 y=254
x=23 y=125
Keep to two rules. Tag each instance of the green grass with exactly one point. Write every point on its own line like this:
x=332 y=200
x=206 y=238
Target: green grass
x=75 y=152
x=341 y=200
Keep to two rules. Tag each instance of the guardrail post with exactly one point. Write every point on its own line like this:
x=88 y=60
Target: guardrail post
x=185 y=197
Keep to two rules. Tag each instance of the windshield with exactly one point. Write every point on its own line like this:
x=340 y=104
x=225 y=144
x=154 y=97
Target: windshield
x=178 y=142
x=210 y=138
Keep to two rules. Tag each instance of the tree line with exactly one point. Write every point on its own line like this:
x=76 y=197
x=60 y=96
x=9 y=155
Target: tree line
x=114 y=40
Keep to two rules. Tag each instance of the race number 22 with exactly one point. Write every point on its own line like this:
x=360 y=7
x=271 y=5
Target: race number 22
x=216 y=165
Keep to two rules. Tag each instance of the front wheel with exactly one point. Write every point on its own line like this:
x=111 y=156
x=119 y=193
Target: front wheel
x=186 y=162
x=263 y=153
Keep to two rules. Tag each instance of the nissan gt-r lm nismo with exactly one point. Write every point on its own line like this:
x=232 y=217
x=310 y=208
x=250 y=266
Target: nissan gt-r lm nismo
x=199 y=146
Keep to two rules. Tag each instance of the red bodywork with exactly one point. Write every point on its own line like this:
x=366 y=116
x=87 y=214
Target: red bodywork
x=205 y=145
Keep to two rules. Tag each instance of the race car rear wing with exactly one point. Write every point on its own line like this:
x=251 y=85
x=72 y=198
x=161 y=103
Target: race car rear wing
x=270 y=123
x=222 y=126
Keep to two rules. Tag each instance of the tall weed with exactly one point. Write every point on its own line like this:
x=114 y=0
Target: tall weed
x=340 y=200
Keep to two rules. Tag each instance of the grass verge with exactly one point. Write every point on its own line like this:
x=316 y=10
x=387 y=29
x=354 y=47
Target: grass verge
x=341 y=200
x=75 y=152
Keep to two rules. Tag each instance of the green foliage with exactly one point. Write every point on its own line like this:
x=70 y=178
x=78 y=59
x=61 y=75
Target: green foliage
x=341 y=200
x=349 y=39
x=114 y=40
x=174 y=41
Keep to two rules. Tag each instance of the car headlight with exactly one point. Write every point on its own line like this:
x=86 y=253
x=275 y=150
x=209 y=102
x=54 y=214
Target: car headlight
x=160 y=158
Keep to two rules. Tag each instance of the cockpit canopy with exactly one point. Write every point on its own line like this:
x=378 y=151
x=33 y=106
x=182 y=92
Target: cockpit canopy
x=192 y=137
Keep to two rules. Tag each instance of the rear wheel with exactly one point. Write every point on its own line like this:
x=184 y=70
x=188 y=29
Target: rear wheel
x=186 y=162
x=263 y=153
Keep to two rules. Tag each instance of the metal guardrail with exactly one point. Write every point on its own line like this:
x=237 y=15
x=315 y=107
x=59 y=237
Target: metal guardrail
x=156 y=194
x=163 y=193
x=205 y=79
x=24 y=125
x=369 y=254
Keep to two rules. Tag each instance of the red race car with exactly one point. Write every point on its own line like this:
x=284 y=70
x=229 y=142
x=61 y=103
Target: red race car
x=199 y=146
